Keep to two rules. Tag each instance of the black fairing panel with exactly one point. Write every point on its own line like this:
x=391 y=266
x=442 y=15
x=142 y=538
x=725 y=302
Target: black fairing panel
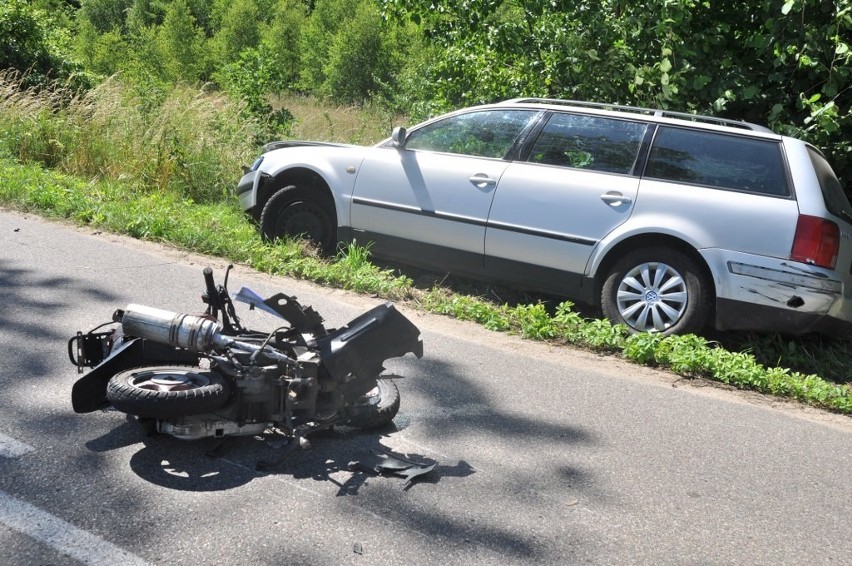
x=362 y=346
x=89 y=392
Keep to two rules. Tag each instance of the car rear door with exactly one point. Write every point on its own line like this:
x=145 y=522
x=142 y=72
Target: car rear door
x=576 y=185
x=433 y=196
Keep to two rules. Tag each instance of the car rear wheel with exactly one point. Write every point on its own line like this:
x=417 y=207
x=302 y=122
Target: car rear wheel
x=657 y=290
x=295 y=212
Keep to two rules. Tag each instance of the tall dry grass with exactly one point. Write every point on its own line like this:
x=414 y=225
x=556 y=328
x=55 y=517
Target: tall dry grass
x=317 y=120
x=185 y=141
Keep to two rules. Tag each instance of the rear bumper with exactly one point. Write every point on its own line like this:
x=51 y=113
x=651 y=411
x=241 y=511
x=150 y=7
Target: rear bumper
x=777 y=295
x=739 y=315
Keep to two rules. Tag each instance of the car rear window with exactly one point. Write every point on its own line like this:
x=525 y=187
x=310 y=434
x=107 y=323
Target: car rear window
x=589 y=142
x=836 y=201
x=718 y=160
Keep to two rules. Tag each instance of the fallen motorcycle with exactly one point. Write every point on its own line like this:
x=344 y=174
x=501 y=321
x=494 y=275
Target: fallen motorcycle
x=197 y=376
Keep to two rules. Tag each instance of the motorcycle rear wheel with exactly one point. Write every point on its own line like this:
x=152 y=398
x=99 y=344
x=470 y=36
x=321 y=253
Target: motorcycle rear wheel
x=165 y=392
x=377 y=408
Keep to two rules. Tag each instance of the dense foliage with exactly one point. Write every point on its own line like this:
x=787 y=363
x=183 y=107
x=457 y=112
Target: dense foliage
x=784 y=63
x=776 y=62
x=35 y=39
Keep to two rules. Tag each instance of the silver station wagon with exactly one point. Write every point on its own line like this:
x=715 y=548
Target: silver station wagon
x=669 y=222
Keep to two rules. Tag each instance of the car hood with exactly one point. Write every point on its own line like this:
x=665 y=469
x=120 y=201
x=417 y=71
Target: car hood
x=299 y=143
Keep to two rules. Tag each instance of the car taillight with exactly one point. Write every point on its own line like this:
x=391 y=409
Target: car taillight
x=817 y=241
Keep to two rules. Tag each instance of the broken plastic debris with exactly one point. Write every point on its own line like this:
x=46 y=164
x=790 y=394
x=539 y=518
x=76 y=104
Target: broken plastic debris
x=384 y=462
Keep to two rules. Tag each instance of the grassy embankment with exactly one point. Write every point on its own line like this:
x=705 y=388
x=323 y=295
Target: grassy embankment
x=162 y=170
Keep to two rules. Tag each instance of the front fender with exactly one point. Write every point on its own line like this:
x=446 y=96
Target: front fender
x=337 y=166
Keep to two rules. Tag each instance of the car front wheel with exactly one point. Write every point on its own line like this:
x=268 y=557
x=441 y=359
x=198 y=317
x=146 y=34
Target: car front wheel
x=657 y=290
x=295 y=212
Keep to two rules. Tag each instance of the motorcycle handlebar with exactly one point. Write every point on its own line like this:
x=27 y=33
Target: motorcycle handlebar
x=208 y=281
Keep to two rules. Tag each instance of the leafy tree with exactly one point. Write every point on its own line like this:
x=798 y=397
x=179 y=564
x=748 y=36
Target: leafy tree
x=203 y=12
x=237 y=31
x=108 y=53
x=62 y=12
x=280 y=42
x=812 y=47
x=493 y=49
x=356 y=61
x=140 y=14
x=781 y=62
x=105 y=15
x=250 y=79
x=181 y=44
x=33 y=44
x=325 y=19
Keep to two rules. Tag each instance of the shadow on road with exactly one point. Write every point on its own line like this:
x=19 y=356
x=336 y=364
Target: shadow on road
x=457 y=406
x=34 y=330
x=222 y=464
x=31 y=314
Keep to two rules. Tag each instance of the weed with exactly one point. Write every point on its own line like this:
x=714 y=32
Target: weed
x=642 y=348
x=533 y=321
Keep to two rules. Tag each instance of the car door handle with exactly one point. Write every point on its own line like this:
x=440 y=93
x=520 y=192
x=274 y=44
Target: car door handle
x=481 y=180
x=615 y=199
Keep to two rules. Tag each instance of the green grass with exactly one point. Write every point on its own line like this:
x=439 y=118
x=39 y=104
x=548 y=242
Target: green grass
x=187 y=142
x=220 y=229
x=162 y=170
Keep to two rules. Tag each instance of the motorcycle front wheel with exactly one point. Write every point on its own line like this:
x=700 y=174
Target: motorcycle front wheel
x=164 y=392
x=375 y=409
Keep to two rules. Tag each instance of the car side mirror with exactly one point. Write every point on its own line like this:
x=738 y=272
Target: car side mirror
x=398 y=137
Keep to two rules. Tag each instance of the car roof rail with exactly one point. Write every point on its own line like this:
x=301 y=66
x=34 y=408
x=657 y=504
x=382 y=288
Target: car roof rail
x=639 y=110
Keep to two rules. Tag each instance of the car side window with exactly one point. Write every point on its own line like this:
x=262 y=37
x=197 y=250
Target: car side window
x=718 y=160
x=589 y=142
x=488 y=133
x=836 y=201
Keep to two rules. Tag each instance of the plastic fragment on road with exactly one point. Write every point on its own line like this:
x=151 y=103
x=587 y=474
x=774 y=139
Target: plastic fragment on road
x=385 y=463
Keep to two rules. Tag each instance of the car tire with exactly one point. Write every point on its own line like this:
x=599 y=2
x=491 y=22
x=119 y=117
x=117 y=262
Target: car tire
x=657 y=289
x=164 y=392
x=377 y=408
x=296 y=212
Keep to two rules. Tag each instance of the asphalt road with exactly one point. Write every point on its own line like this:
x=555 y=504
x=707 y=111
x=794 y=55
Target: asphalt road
x=546 y=455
